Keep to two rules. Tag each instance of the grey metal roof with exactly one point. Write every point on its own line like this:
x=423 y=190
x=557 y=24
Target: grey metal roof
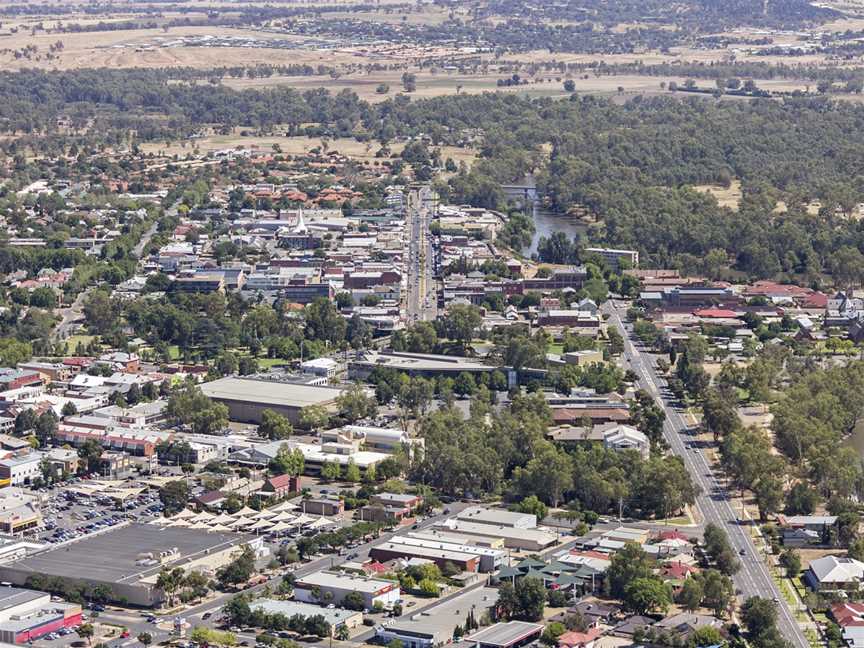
x=267 y=392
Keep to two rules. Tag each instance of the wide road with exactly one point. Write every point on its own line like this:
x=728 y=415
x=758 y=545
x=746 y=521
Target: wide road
x=753 y=579
x=420 y=297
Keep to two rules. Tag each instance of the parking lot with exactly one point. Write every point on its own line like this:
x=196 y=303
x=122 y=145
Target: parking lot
x=67 y=515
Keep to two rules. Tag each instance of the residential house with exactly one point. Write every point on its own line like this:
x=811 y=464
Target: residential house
x=685 y=624
x=626 y=437
x=834 y=573
x=576 y=639
x=850 y=617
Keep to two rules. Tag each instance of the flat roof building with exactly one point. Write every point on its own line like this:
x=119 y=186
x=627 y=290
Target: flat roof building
x=445 y=535
x=434 y=626
x=614 y=256
x=487 y=559
x=336 y=585
x=247 y=398
x=513 y=538
x=419 y=364
x=512 y=634
x=26 y=615
x=128 y=559
x=21 y=469
x=337 y=618
x=19 y=510
x=441 y=555
x=498 y=517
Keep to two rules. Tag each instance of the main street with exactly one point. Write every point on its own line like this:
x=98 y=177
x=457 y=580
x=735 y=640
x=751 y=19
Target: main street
x=753 y=579
x=420 y=298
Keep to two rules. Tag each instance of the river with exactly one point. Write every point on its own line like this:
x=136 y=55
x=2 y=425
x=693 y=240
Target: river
x=547 y=223
x=856 y=439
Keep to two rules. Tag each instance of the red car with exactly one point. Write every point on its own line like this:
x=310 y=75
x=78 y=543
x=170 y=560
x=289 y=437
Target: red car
x=124 y=634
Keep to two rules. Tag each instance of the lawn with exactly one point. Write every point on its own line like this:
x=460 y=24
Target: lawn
x=75 y=340
x=269 y=363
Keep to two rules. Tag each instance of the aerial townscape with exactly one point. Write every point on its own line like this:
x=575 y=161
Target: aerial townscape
x=414 y=323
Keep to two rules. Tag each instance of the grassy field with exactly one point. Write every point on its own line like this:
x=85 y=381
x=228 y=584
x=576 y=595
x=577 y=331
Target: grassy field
x=726 y=196
x=288 y=145
x=361 y=151
x=75 y=340
x=269 y=363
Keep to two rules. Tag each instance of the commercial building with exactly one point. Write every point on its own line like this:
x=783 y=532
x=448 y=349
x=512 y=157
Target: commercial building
x=26 y=615
x=50 y=371
x=139 y=442
x=137 y=416
x=323 y=506
x=12 y=379
x=335 y=586
x=127 y=559
x=498 y=517
x=246 y=398
x=444 y=535
x=20 y=469
x=583 y=358
x=385 y=439
x=14 y=548
x=586 y=322
x=337 y=618
x=314 y=456
x=512 y=634
x=322 y=367
x=420 y=364
x=390 y=507
x=465 y=556
x=614 y=257
x=434 y=625
x=19 y=510
x=512 y=537
x=465 y=562
x=62 y=461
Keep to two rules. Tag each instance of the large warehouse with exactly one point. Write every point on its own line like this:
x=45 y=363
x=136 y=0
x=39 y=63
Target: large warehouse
x=128 y=559
x=247 y=398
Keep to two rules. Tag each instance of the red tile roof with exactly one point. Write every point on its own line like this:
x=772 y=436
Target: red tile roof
x=374 y=566
x=280 y=481
x=848 y=613
x=678 y=570
x=815 y=300
x=769 y=288
x=574 y=638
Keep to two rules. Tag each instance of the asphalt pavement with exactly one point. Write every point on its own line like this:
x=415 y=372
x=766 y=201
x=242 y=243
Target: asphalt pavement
x=714 y=502
x=421 y=298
